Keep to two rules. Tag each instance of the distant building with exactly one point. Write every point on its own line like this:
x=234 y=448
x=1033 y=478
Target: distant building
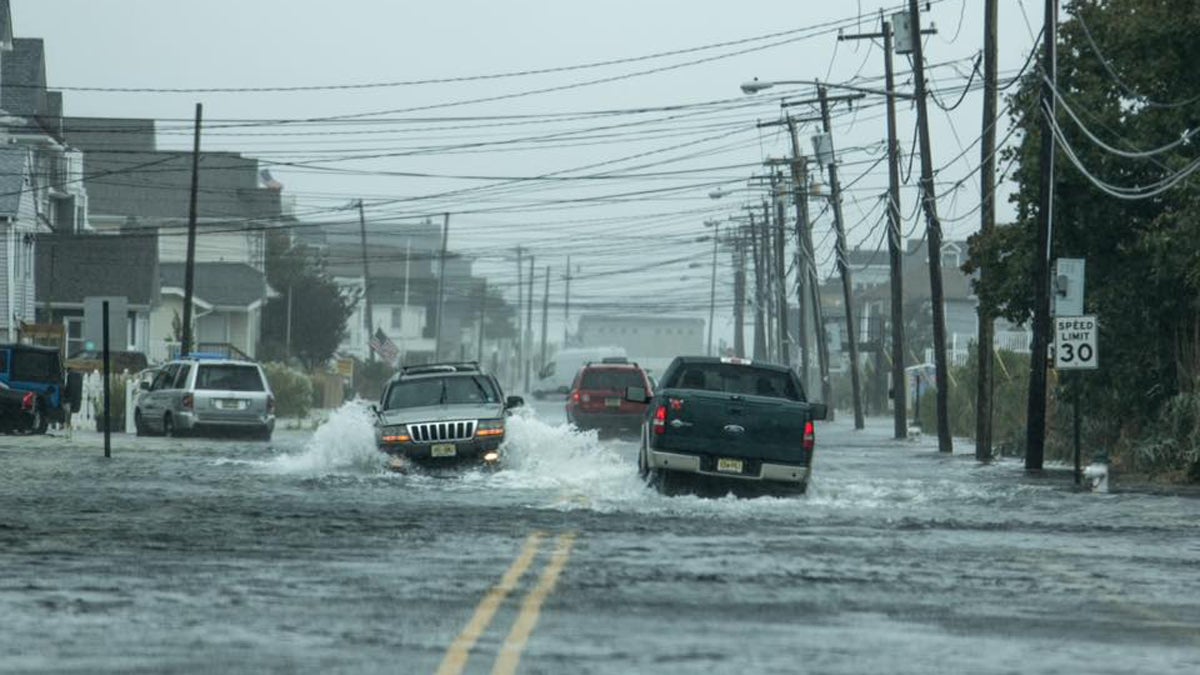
x=646 y=339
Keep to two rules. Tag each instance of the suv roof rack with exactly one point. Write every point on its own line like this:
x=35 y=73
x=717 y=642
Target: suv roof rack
x=611 y=361
x=614 y=359
x=453 y=367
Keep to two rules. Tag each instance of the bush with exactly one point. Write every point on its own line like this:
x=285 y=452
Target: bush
x=116 y=403
x=1010 y=393
x=293 y=390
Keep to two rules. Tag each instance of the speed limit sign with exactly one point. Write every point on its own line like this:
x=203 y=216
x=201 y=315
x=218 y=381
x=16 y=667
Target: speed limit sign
x=1075 y=343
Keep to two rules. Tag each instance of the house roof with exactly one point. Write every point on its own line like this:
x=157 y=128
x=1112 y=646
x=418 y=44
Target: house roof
x=219 y=284
x=23 y=80
x=71 y=267
x=14 y=164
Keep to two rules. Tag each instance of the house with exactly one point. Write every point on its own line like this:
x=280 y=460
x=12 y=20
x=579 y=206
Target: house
x=19 y=228
x=227 y=302
x=73 y=267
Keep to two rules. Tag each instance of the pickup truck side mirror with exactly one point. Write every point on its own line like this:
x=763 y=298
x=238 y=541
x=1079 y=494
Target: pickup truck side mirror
x=513 y=402
x=637 y=395
x=819 y=411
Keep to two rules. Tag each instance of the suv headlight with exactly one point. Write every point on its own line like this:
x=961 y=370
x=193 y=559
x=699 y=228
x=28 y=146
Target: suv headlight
x=489 y=428
x=393 y=435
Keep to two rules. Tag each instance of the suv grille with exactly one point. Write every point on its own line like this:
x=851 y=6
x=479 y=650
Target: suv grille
x=431 y=432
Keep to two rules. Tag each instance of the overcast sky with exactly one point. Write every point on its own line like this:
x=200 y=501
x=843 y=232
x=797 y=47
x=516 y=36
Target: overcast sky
x=630 y=231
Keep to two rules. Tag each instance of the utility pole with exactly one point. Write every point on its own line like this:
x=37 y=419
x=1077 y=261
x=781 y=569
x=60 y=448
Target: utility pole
x=529 y=326
x=712 y=290
x=520 y=310
x=368 y=317
x=799 y=166
x=739 y=296
x=933 y=236
x=785 y=354
x=1036 y=412
x=768 y=263
x=987 y=223
x=441 y=293
x=760 y=333
x=189 y=270
x=482 y=318
x=545 y=317
x=835 y=189
x=895 y=245
x=567 y=306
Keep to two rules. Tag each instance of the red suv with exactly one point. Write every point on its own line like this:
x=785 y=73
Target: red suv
x=597 y=399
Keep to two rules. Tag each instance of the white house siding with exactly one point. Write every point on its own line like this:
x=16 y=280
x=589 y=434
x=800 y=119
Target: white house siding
x=17 y=259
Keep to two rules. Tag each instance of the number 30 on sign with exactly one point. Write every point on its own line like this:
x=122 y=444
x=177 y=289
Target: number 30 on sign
x=1075 y=343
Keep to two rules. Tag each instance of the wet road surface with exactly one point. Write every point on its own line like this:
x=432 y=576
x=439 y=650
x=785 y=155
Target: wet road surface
x=305 y=555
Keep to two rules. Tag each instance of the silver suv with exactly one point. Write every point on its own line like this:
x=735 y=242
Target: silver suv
x=444 y=414
x=197 y=395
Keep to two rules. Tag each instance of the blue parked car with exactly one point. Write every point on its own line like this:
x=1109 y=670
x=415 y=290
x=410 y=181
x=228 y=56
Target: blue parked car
x=40 y=370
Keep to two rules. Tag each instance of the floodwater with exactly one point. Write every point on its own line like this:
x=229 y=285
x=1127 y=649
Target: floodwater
x=306 y=555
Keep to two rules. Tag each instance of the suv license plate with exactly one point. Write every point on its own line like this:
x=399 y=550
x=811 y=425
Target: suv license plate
x=443 y=450
x=729 y=465
x=231 y=404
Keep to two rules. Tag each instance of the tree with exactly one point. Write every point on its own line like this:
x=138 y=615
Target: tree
x=319 y=308
x=1126 y=70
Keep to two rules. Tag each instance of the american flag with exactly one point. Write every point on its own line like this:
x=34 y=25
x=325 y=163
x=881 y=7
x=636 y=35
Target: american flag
x=382 y=345
x=269 y=181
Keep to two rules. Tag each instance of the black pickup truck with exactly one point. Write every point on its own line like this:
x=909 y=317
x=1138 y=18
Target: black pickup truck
x=727 y=424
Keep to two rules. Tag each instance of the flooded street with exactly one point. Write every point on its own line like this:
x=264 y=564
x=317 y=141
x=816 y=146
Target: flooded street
x=305 y=555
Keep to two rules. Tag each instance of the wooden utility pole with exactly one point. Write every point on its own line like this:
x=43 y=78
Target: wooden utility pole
x=835 y=189
x=799 y=166
x=441 y=288
x=1035 y=438
x=739 y=295
x=545 y=317
x=760 y=329
x=767 y=251
x=520 y=310
x=189 y=269
x=987 y=223
x=529 y=326
x=933 y=235
x=785 y=352
x=483 y=297
x=368 y=317
x=567 y=305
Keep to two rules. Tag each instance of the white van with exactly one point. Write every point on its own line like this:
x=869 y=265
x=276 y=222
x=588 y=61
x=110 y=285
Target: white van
x=556 y=377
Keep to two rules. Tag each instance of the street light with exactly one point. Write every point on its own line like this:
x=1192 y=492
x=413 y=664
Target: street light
x=756 y=85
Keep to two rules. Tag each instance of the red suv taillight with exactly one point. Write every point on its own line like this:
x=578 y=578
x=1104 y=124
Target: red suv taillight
x=575 y=397
x=810 y=436
x=660 y=420
x=27 y=402
x=187 y=402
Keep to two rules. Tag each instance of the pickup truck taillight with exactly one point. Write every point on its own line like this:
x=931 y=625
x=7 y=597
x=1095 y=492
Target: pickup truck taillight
x=27 y=402
x=660 y=420
x=810 y=436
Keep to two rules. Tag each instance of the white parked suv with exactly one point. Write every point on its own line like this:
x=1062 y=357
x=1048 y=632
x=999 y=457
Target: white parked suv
x=202 y=395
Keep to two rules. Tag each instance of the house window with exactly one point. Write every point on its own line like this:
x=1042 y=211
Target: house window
x=74 y=329
x=398 y=318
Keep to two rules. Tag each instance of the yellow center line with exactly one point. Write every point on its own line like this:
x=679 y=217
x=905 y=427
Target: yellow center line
x=510 y=652
x=456 y=657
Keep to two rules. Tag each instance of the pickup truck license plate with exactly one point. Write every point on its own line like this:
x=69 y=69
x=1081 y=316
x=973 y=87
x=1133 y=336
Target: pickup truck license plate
x=443 y=450
x=612 y=402
x=729 y=465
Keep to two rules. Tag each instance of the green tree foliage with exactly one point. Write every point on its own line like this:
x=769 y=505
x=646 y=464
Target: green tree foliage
x=319 y=310
x=293 y=390
x=1127 y=70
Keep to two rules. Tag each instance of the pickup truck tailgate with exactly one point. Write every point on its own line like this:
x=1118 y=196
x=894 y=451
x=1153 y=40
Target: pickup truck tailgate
x=732 y=425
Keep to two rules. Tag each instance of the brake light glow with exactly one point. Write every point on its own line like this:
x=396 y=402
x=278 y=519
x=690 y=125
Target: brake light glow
x=660 y=420
x=810 y=436
x=27 y=402
x=575 y=396
x=187 y=402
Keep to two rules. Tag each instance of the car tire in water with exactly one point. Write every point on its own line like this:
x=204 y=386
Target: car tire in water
x=38 y=423
x=139 y=425
x=169 y=427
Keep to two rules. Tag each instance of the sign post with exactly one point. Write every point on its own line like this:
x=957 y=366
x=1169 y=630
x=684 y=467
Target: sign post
x=1075 y=349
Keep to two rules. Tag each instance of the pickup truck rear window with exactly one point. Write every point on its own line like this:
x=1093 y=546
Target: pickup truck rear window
x=736 y=379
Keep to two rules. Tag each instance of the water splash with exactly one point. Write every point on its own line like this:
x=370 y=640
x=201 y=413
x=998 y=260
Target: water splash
x=346 y=441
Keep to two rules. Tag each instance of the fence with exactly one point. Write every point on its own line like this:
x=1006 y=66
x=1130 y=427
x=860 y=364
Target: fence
x=91 y=400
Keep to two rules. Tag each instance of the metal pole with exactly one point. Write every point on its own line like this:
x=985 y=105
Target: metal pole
x=368 y=315
x=1036 y=412
x=520 y=310
x=835 y=190
x=712 y=289
x=107 y=390
x=1077 y=380
x=987 y=216
x=189 y=269
x=441 y=297
x=933 y=237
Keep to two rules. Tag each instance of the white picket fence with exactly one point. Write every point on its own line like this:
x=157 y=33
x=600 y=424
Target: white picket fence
x=92 y=400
